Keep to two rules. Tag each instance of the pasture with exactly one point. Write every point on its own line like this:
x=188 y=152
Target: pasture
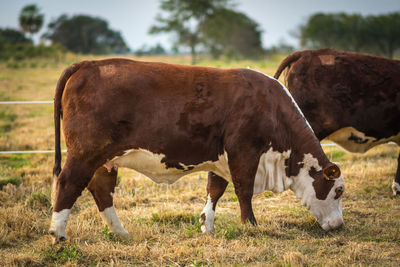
x=163 y=220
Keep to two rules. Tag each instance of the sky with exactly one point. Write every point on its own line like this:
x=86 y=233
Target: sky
x=277 y=18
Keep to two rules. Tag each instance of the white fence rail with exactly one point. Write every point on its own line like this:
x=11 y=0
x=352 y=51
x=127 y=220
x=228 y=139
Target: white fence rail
x=30 y=152
x=25 y=102
x=52 y=151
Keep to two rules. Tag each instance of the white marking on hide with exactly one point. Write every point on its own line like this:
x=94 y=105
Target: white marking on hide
x=107 y=71
x=327 y=59
x=290 y=96
x=53 y=191
x=395 y=188
x=111 y=218
x=58 y=224
x=341 y=137
x=150 y=165
x=328 y=212
x=271 y=174
x=208 y=225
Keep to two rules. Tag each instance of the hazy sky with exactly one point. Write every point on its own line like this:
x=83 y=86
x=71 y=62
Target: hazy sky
x=133 y=18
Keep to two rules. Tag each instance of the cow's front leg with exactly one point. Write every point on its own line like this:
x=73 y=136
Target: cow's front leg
x=102 y=188
x=243 y=176
x=244 y=191
x=396 y=182
x=69 y=185
x=216 y=186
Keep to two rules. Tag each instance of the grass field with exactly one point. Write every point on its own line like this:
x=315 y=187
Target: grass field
x=162 y=219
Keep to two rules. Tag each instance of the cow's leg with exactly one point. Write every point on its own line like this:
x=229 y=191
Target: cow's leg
x=72 y=180
x=216 y=186
x=396 y=182
x=243 y=181
x=102 y=188
x=244 y=191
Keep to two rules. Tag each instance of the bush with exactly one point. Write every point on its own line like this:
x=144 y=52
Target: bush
x=21 y=51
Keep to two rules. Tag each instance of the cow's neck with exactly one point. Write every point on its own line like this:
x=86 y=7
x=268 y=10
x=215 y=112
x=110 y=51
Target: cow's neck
x=302 y=142
x=288 y=159
x=307 y=156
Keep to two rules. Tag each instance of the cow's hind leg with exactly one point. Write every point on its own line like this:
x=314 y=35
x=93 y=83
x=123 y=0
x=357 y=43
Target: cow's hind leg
x=72 y=180
x=216 y=186
x=396 y=182
x=102 y=188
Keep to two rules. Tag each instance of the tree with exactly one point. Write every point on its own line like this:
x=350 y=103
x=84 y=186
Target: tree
x=383 y=33
x=321 y=30
x=185 y=18
x=158 y=49
x=231 y=33
x=30 y=19
x=12 y=36
x=85 y=34
x=379 y=35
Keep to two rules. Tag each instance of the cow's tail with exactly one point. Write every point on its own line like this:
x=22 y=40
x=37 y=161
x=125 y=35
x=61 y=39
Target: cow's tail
x=58 y=113
x=286 y=63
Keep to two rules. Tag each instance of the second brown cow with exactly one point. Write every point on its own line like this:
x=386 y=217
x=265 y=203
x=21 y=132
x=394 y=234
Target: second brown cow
x=350 y=98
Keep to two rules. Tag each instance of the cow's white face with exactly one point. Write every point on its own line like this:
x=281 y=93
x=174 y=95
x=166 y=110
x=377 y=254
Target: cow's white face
x=320 y=191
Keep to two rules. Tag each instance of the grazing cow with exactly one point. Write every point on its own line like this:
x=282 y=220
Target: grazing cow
x=350 y=98
x=167 y=121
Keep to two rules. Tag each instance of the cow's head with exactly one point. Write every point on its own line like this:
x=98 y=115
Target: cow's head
x=320 y=190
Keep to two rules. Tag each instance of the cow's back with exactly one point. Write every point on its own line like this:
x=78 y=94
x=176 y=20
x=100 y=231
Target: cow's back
x=122 y=104
x=337 y=89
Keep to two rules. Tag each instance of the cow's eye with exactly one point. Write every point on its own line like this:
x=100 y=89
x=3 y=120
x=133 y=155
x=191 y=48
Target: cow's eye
x=339 y=191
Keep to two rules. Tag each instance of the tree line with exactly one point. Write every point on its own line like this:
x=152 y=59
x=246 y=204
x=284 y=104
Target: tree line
x=379 y=35
x=212 y=27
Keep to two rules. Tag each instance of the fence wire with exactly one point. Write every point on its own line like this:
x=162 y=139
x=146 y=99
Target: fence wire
x=25 y=102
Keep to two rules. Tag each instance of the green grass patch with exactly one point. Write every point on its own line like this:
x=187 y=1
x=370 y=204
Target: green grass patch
x=229 y=231
x=235 y=198
x=63 y=255
x=268 y=194
x=107 y=235
x=12 y=180
x=175 y=219
x=14 y=161
x=336 y=155
x=38 y=199
x=7 y=115
x=6 y=120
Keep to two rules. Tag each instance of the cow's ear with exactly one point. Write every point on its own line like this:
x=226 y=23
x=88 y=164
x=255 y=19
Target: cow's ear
x=331 y=171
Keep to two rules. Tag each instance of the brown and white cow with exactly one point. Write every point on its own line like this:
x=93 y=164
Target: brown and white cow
x=166 y=121
x=350 y=98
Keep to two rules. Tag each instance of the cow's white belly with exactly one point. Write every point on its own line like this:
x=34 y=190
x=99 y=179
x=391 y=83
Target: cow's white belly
x=150 y=165
x=356 y=141
x=270 y=172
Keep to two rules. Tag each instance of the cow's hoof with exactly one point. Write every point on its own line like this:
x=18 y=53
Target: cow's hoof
x=204 y=229
x=57 y=238
x=123 y=234
x=396 y=189
x=206 y=226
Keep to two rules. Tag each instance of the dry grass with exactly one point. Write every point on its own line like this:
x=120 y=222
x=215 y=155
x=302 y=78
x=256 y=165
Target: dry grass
x=163 y=220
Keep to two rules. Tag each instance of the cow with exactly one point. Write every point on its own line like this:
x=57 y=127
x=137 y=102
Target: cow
x=166 y=121
x=350 y=98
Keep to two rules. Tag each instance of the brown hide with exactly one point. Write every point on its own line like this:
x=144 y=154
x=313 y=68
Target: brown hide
x=337 y=89
x=189 y=114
